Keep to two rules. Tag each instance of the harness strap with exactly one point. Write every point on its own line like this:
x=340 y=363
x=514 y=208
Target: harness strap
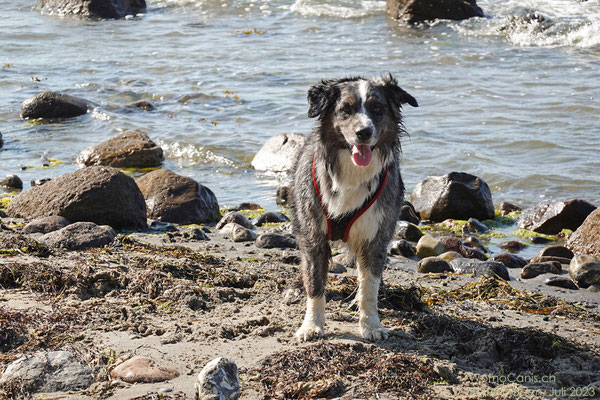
x=336 y=226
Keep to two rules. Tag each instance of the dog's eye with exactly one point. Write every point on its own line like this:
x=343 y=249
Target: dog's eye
x=347 y=108
x=376 y=108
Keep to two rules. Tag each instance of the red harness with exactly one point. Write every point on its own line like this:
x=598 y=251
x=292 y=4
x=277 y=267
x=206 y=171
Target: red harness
x=339 y=227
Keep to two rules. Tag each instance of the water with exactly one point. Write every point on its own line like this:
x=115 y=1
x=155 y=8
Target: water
x=513 y=103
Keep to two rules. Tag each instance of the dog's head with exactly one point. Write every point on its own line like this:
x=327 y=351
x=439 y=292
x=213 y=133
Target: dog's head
x=362 y=113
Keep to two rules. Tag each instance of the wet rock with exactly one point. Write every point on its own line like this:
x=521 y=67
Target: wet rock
x=46 y=224
x=470 y=252
x=513 y=246
x=241 y=234
x=53 y=105
x=552 y=217
x=480 y=268
x=245 y=206
x=403 y=248
x=413 y=11
x=473 y=225
x=585 y=270
x=539 y=240
x=79 y=236
x=475 y=243
x=39 y=182
x=452 y=243
x=434 y=265
x=561 y=260
x=276 y=240
x=140 y=369
x=510 y=260
x=283 y=196
x=532 y=270
x=218 y=380
x=428 y=246
x=174 y=198
x=271 y=217
x=102 y=195
x=12 y=182
x=279 y=153
x=130 y=149
x=236 y=218
x=54 y=371
x=557 y=251
x=141 y=105
x=507 y=208
x=457 y=195
x=94 y=9
x=528 y=21
x=586 y=239
x=561 y=281
x=408 y=213
x=408 y=231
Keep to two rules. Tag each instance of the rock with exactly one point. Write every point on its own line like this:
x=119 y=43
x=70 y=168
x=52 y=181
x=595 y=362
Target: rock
x=54 y=371
x=475 y=243
x=79 y=236
x=198 y=234
x=39 y=182
x=539 y=240
x=94 y=9
x=552 y=217
x=140 y=369
x=218 y=380
x=241 y=234
x=557 y=251
x=408 y=231
x=271 y=217
x=470 y=252
x=480 y=268
x=408 y=213
x=130 y=149
x=561 y=281
x=340 y=263
x=507 y=208
x=585 y=270
x=283 y=196
x=174 y=198
x=510 y=260
x=403 y=248
x=532 y=270
x=452 y=243
x=512 y=246
x=12 y=182
x=413 y=11
x=53 y=105
x=586 y=239
x=450 y=255
x=246 y=206
x=279 y=153
x=473 y=225
x=102 y=195
x=236 y=218
x=434 y=265
x=46 y=224
x=276 y=240
x=428 y=246
x=561 y=260
x=457 y=195
x=141 y=105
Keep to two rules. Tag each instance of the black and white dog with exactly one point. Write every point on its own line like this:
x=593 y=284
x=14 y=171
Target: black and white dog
x=347 y=186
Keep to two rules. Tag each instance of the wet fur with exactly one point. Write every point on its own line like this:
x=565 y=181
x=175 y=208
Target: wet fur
x=344 y=186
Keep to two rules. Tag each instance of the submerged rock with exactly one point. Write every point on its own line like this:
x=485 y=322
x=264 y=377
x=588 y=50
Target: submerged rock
x=585 y=270
x=513 y=246
x=12 y=182
x=552 y=217
x=53 y=105
x=80 y=236
x=218 y=380
x=103 y=9
x=279 y=153
x=414 y=11
x=140 y=369
x=586 y=239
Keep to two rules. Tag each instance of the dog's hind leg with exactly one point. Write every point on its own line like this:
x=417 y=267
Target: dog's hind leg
x=370 y=269
x=314 y=273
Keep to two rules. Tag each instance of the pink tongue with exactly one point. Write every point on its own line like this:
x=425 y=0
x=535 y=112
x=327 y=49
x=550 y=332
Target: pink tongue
x=362 y=154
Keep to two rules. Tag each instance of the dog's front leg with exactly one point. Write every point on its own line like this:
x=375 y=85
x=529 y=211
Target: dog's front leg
x=369 y=277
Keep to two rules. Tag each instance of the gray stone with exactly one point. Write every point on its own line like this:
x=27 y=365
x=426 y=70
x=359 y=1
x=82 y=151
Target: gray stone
x=46 y=224
x=553 y=216
x=557 y=251
x=54 y=371
x=408 y=231
x=279 y=153
x=94 y=9
x=79 y=236
x=586 y=239
x=130 y=149
x=242 y=234
x=408 y=213
x=53 y=105
x=403 y=248
x=561 y=281
x=510 y=260
x=413 y=11
x=236 y=218
x=12 y=182
x=218 y=380
x=532 y=270
x=480 y=268
x=271 y=217
x=585 y=270
x=140 y=369
x=103 y=195
x=428 y=246
x=276 y=240
x=434 y=265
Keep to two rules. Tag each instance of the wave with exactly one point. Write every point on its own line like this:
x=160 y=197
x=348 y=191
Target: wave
x=338 y=9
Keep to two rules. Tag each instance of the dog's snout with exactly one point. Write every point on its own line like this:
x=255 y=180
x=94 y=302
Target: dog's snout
x=364 y=134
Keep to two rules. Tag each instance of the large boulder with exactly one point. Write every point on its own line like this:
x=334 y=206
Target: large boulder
x=414 y=11
x=178 y=199
x=130 y=149
x=551 y=217
x=53 y=105
x=585 y=270
x=102 y=195
x=104 y=9
x=586 y=239
x=279 y=153
x=457 y=195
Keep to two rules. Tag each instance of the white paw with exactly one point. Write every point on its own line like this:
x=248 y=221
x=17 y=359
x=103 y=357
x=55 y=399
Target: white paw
x=374 y=333
x=308 y=332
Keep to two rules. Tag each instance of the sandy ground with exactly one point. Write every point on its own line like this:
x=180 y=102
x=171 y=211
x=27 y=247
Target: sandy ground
x=183 y=302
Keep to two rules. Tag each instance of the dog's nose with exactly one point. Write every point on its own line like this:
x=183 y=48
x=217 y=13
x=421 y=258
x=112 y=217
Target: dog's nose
x=364 y=134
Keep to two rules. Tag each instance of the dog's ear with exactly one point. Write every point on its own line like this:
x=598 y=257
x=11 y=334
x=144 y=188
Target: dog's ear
x=320 y=98
x=398 y=95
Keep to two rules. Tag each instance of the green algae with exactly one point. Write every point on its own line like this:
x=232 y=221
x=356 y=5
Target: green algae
x=527 y=234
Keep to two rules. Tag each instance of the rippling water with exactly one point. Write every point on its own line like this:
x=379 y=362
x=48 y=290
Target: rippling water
x=514 y=102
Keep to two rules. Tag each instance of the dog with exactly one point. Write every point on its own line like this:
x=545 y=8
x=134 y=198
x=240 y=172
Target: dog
x=347 y=186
